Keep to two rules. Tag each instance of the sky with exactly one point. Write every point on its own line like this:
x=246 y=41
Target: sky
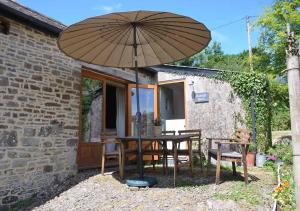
x=213 y=13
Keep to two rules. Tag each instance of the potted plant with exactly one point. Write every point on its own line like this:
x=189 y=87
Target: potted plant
x=250 y=157
x=157 y=127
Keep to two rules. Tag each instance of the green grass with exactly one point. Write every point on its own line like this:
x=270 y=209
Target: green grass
x=240 y=192
x=23 y=203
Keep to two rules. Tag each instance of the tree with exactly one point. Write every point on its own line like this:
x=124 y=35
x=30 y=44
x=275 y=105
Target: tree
x=273 y=30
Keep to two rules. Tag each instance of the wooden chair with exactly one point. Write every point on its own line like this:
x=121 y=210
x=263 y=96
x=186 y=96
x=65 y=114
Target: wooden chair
x=110 y=138
x=195 y=138
x=165 y=148
x=236 y=152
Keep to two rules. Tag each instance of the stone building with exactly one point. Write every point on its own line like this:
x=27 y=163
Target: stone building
x=42 y=125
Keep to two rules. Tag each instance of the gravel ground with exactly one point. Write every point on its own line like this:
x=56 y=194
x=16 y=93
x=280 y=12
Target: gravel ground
x=192 y=193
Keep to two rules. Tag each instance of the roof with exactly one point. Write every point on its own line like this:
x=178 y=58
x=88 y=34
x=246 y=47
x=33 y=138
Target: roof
x=16 y=11
x=183 y=69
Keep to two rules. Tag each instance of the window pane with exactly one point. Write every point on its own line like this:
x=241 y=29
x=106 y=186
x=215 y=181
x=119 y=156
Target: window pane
x=147 y=110
x=92 y=91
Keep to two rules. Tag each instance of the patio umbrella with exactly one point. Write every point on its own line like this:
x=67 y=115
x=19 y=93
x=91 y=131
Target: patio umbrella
x=132 y=40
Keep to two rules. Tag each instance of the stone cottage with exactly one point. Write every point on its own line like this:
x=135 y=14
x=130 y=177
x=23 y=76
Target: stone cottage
x=47 y=114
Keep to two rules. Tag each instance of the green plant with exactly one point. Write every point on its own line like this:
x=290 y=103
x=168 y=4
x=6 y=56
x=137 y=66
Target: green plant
x=240 y=192
x=252 y=147
x=285 y=192
x=157 y=122
x=247 y=84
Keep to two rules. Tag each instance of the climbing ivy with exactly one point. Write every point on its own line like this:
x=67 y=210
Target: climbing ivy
x=245 y=84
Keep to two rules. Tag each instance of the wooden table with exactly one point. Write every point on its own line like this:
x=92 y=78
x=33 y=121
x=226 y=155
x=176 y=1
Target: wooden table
x=163 y=139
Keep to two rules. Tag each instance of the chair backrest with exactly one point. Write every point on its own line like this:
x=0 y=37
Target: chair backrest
x=168 y=132
x=196 y=132
x=107 y=134
x=243 y=135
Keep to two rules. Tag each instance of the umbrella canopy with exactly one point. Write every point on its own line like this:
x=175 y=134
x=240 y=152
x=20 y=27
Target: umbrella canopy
x=108 y=40
x=134 y=39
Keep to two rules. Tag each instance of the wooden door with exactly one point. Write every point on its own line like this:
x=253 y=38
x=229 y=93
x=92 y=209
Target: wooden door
x=148 y=108
x=92 y=116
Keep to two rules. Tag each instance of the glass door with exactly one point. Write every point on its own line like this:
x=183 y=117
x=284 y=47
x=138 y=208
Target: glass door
x=148 y=108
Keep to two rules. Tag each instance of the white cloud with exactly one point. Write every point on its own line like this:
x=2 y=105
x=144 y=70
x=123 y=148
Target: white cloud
x=108 y=8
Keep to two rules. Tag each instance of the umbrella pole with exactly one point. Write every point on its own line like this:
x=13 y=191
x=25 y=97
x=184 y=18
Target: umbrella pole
x=138 y=113
x=141 y=181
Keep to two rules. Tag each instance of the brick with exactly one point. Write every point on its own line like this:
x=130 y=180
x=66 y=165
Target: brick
x=12 y=104
x=33 y=87
x=72 y=142
x=8 y=139
x=37 y=77
x=9 y=199
x=50 y=104
x=48 y=169
x=29 y=132
x=32 y=142
x=3 y=81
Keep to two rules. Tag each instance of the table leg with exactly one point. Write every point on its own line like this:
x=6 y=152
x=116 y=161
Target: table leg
x=164 y=156
x=123 y=156
x=191 y=155
x=175 y=157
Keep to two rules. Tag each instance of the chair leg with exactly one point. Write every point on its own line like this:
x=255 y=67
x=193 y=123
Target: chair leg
x=208 y=163
x=245 y=164
x=103 y=159
x=120 y=162
x=218 y=170
x=233 y=169
x=200 y=156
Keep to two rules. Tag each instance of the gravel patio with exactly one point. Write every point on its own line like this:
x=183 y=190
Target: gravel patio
x=198 y=192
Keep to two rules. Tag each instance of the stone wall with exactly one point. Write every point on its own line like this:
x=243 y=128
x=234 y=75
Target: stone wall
x=217 y=117
x=39 y=112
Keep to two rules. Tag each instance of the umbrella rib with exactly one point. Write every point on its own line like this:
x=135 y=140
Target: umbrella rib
x=109 y=43
x=92 y=27
x=137 y=35
x=122 y=16
x=159 y=18
x=155 y=29
x=97 y=17
x=161 y=38
x=178 y=40
x=99 y=33
x=155 y=53
x=158 y=13
x=186 y=27
x=97 y=37
x=127 y=30
x=106 y=22
x=171 y=29
x=124 y=48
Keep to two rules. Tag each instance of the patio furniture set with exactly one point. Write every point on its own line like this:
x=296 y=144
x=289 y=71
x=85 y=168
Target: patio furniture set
x=156 y=147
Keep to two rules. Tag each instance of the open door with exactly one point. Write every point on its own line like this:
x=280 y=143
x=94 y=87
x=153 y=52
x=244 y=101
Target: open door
x=102 y=108
x=148 y=107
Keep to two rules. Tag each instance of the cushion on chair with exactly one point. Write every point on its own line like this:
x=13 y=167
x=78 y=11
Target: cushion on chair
x=227 y=153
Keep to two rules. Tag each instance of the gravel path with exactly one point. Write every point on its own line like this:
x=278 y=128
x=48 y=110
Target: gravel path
x=194 y=193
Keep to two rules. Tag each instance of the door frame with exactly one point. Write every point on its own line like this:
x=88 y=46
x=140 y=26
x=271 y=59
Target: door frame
x=184 y=94
x=129 y=100
x=94 y=147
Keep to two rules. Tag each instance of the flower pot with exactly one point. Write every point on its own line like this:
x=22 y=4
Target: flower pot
x=250 y=158
x=157 y=130
x=260 y=159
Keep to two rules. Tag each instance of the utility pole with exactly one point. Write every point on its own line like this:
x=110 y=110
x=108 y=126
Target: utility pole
x=249 y=42
x=293 y=73
x=251 y=69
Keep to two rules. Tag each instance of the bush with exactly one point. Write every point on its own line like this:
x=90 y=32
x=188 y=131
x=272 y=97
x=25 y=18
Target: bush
x=285 y=192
